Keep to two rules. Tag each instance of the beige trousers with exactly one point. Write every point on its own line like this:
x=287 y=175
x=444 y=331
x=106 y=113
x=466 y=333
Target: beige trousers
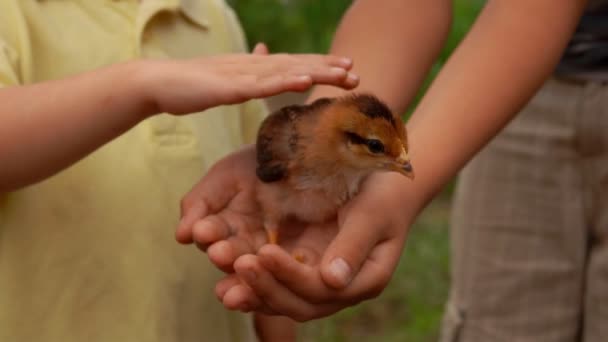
x=530 y=226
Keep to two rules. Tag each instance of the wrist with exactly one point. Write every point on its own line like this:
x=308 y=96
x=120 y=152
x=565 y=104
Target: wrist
x=404 y=194
x=139 y=81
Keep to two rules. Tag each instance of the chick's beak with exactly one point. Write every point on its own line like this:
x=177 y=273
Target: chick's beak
x=404 y=166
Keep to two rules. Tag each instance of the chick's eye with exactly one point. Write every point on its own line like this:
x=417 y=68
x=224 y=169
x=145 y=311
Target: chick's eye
x=375 y=146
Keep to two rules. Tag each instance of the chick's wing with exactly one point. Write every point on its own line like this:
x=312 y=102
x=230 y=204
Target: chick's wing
x=277 y=140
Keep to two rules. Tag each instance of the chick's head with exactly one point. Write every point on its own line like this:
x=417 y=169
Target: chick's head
x=364 y=135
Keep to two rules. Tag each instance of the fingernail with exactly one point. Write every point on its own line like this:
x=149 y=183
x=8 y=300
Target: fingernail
x=346 y=61
x=340 y=269
x=305 y=78
x=353 y=77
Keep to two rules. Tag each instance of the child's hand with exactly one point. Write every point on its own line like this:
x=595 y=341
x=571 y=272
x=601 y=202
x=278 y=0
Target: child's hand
x=181 y=87
x=92 y=108
x=221 y=216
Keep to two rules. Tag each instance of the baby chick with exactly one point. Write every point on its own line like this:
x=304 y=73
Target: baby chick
x=313 y=158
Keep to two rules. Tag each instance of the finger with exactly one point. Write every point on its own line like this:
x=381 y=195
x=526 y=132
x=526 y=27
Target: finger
x=343 y=62
x=241 y=297
x=306 y=282
x=275 y=84
x=224 y=253
x=222 y=286
x=359 y=233
x=375 y=272
x=260 y=49
x=235 y=295
x=319 y=67
x=301 y=79
x=269 y=85
x=210 y=230
x=331 y=60
x=274 y=294
x=210 y=195
x=237 y=298
x=351 y=81
x=190 y=214
x=303 y=280
x=336 y=76
x=216 y=189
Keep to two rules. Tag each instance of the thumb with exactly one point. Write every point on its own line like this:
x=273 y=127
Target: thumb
x=358 y=235
x=190 y=214
x=260 y=49
x=209 y=196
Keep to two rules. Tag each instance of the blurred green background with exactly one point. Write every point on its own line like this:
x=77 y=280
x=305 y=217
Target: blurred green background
x=410 y=308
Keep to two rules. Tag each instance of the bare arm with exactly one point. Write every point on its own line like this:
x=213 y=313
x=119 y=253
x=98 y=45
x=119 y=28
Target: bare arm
x=46 y=127
x=393 y=43
x=511 y=50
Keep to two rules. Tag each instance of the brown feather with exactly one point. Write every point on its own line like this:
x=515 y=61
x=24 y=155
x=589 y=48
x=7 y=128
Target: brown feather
x=278 y=137
x=312 y=159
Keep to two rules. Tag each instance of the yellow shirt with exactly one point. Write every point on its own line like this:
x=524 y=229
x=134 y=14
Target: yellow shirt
x=89 y=254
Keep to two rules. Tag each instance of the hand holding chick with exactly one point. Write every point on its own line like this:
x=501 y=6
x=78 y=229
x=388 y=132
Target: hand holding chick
x=351 y=259
x=352 y=256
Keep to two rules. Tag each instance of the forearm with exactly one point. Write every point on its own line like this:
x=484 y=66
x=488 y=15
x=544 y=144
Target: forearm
x=274 y=328
x=47 y=126
x=511 y=50
x=393 y=44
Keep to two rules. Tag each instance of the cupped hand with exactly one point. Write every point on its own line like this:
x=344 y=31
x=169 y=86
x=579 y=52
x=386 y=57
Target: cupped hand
x=221 y=216
x=220 y=213
x=341 y=262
